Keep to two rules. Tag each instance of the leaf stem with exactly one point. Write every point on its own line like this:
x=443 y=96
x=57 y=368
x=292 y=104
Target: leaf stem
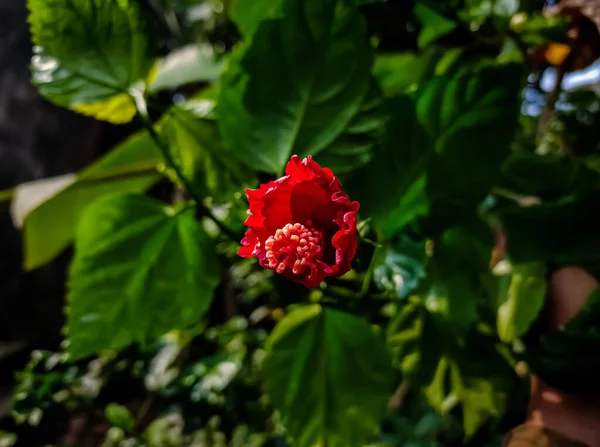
x=166 y=153
x=364 y=289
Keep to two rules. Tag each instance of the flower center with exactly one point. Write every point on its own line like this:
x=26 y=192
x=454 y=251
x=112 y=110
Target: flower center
x=293 y=247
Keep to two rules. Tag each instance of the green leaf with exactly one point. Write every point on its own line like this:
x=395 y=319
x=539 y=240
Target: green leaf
x=325 y=392
x=462 y=254
x=248 y=14
x=559 y=232
x=481 y=398
x=396 y=72
x=89 y=53
x=140 y=270
x=480 y=385
x=444 y=367
x=548 y=176
x=435 y=25
x=480 y=11
x=401 y=268
x=561 y=357
x=414 y=342
x=354 y=148
x=441 y=152
x=522 y=296
x=298 y=85
x=189 y=64
x=403 y=72
x=48 y=228
x=196 y=147
x=537 y=29
x=120 y=416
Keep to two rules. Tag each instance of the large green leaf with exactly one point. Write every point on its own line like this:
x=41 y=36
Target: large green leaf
x=296 y=87
x=196 y=147
x=354 y=148
x=140 y=269
x=48 y=228
x=89 y=54
x=522 y=293
x=326 y=393
x=442 y=150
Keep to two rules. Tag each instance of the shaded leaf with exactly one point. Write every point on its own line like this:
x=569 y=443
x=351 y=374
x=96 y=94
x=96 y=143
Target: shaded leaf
x=548 y=176
x=446 y=370
x=248 y=14
x=196 y=147
x=354 y=148
x=420 y=169
x=461 y=255
x=140 y=269
x=297 y=86
x=401 y=267
x=326 y=394
x=559 y=232
x=561 y=357
x=435 y=25
x=414 y=342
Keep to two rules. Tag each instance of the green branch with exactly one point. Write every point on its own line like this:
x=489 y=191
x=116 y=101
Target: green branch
x=170 y=162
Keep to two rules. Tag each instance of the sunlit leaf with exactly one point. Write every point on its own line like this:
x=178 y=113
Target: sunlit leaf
x=191 y=63
x=48 y=228
x=89 y=54
x=521 y=299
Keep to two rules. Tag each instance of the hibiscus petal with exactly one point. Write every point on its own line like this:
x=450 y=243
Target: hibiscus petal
x=310 y=196
x=276 y=205
x=310 y=201
x=249 y=245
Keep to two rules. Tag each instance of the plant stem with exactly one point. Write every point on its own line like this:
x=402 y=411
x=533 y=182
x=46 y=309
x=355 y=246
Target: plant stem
x=166 y=153
x=364 y=289
x=550 y=104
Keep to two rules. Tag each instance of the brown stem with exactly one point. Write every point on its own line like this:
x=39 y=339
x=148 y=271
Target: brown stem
x=550 y=105
x=397 y=399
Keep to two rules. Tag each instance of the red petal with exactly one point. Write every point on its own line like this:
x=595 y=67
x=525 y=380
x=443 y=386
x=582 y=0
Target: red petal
x=307 y=193
x=250 y=244
x=276 y=205
x=311 y=201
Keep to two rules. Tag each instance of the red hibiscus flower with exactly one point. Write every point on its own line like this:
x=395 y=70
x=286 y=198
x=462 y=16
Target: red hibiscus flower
x=302 y=225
